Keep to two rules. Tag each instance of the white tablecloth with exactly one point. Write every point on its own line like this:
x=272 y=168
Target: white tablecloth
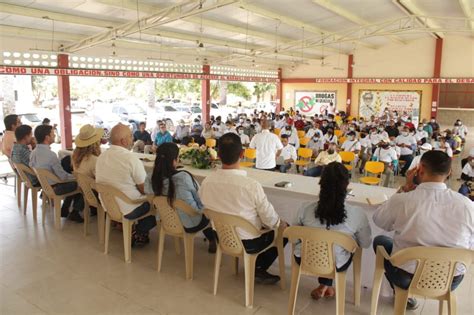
x=287 y=201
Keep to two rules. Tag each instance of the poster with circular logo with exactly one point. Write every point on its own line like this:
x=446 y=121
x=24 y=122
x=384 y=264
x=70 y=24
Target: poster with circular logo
x=310 y=103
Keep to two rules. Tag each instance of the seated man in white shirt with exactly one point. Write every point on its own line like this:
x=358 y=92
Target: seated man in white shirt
x=316 y=143
x=268 y=146
x=365 y=150
x=421 y=136
x=292 y=134
x=388 y=156
x=120 y=168
x=314 y=130
x=407 y=143
x=287 y=155
x=467 y=175
x=323 y=159
x=229 y=190
x=351 y=144
x=427 y=214
x=243 y=137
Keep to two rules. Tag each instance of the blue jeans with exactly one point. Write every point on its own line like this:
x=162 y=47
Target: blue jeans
x=284 y=168
x=464 y=190
x=77 y=199
x=143 y=225
x=397 y=276
x=314 y=171
x=408 y=159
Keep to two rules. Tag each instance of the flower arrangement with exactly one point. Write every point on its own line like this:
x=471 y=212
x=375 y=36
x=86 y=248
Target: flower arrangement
x=198 y=156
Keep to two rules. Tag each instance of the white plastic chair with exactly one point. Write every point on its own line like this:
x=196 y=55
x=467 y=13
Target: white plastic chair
x=318 y=259
x=170 y=224
x=432 y=278
x=230 y=244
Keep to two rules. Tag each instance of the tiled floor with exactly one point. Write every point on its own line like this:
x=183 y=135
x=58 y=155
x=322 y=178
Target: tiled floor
x=46 y=271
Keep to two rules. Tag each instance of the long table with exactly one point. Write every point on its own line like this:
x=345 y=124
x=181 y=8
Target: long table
x=287 y=202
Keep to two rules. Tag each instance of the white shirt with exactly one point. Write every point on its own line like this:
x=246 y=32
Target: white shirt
x=330 y=139
x=280 y=124
x=244 y=139
x=416 y=161
x=462 y=131
x=365 y=142
x=447 y=148
x=267 y=144
x=407 y=140
x=430 y=215
x=230 y=130
x=293 y=136
x=232 y=192
x=386 y=155
x=421 y=135
x=316 y=144
x=375 y=138
x=121 y=169
x=351 y=146
x=288 y=152
x=311 y=132
x=468 y=170
x=219 y=130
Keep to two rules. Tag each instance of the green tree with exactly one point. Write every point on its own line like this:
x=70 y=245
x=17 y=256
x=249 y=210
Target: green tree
x=238 y=89
x=170 y=88
x=261 y=88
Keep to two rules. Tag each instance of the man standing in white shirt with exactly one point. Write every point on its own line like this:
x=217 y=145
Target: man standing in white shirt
x=287 y=155
x=230 y=191
x=268 y=147
x=429 y=214
x=121 y=169
x=407 y=144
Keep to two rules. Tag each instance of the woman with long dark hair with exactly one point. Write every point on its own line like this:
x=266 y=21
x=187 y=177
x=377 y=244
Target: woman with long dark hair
x=331 y=212
x=167 y=181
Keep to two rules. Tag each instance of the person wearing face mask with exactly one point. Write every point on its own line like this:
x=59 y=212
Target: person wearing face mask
x=388 y=156
x=163 y=136
x=427 y=127
x=421 y=136
x=121 y=169
x=469 y=158
x=208 y=132
x=314 y=130
x=381 y=131
x=218 y=128
x=467 y=175
x=181 y=131
x=392 y=129
x=229 y=127
x=407 y=144
x=286 y=156
x=435 y=126
x=299 y=123
x=423 y=149
x=365 y=150
x=351 y=144
x=444 y=146
x=323 y=159
x=374 y=138
x=330 y=137
x=461 y=130
x=316 y=143
x=243 y=137
x=292 y=134
x=324 y=126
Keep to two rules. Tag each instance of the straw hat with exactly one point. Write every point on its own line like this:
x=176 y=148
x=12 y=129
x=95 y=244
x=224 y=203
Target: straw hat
x=88 y=135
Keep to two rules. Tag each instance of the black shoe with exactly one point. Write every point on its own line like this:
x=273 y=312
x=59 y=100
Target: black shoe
x=212 y=247
x=75 y=216
x=64 y=212
x=140 y=240
x=412 y=304
x=263 y=277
